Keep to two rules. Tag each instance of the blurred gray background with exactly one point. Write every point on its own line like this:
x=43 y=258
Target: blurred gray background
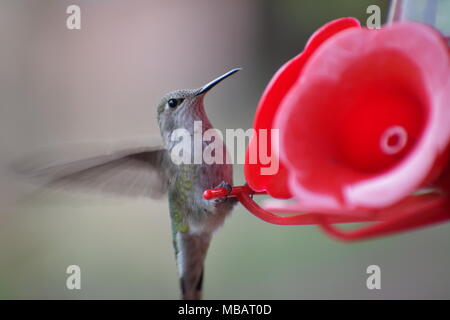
x=62 y=89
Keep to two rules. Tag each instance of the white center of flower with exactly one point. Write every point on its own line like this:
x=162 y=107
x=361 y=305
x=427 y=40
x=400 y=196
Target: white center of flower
x=393 y=140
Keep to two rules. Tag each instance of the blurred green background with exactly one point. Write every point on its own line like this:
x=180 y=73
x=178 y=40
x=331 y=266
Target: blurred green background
x=60 y=89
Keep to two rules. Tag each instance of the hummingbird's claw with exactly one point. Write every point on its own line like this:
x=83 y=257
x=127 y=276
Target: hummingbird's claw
x=223 y=185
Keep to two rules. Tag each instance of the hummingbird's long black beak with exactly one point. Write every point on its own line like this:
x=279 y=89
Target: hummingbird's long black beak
x=213 y=83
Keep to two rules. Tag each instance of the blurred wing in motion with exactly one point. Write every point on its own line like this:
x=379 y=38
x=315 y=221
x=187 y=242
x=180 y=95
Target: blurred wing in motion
x=138 y=172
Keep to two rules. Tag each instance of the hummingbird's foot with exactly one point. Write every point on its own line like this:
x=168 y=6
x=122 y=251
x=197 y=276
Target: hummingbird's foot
x=224 y=185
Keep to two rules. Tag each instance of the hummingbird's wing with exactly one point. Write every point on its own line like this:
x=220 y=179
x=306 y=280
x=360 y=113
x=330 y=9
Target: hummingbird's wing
x=138 y=172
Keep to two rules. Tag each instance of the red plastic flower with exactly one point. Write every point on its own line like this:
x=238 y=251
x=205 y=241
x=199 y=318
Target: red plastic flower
x=368 y=121
x=364 y=117
x=364 y=126
x=276 y=185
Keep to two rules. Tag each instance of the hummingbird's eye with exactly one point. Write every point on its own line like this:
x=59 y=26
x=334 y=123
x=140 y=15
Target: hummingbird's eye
x=173 y=103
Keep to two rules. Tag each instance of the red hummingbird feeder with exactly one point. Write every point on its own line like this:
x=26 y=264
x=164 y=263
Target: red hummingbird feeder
x=363 y=119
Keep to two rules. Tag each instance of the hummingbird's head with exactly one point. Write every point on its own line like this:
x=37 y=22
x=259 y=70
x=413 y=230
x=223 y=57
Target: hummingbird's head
x=180 y=108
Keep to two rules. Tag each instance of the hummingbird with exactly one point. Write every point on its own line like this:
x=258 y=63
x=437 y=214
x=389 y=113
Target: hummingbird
x=150 y=172
x=194 y=219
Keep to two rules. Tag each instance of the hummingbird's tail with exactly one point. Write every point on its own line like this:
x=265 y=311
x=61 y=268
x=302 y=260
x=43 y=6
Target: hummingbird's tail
x=190 y=253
